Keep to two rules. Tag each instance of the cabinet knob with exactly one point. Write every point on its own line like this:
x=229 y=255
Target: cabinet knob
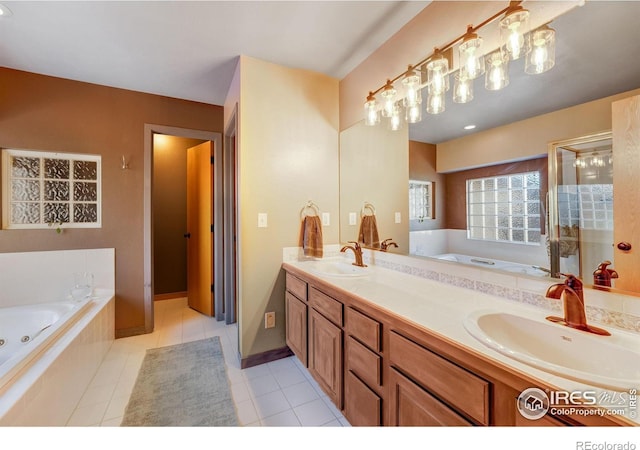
x=187 y=235
x=624 y=246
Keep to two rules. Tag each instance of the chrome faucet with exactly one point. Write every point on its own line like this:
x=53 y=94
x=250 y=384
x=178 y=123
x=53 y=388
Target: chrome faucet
x=572 y=297
x=357 y=251
x=602 y=275
x=384 y=245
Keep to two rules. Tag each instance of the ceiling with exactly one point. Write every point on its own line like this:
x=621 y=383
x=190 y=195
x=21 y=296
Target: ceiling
x=189 y=50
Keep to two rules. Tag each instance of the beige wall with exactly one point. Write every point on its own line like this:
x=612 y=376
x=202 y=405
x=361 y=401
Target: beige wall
x=528 y=138
x=53 y=114
x=288 y=154
x=422 y=167
x=374 y=168
x=170 y=213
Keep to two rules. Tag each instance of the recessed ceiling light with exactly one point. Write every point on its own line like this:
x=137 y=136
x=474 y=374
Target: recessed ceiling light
x=469 y=127
x=4 y=11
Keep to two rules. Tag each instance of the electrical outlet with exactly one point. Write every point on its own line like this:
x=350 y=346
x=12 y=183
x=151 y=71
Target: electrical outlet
x=270 y=319
x=262 y=220
x=398 y=217
x=352 y=218
x=326 y=219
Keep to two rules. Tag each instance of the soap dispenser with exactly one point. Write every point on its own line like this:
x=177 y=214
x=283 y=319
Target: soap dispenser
x=602 y=275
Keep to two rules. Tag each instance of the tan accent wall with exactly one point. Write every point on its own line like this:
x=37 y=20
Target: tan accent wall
x=527 y=138
x=374 y=168
x=456 y=199
x=170 y=213
x=288 y=154
x=45 y=113
x=422 y=167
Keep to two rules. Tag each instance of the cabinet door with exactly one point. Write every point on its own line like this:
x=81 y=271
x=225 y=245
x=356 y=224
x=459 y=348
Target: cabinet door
x=362 y=406
x=325 y=355
x=296 y=312
x=412 y=406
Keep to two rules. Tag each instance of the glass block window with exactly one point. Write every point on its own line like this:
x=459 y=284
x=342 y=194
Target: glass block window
x=505 y=208
x=42 y=189
x=420 y=200
x=589 y=206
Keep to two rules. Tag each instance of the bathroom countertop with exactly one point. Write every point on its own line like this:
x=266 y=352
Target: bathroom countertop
x=441 y=309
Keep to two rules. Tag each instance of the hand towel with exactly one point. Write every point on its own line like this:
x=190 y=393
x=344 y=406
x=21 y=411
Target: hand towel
x=369 y=232
x=311 y=236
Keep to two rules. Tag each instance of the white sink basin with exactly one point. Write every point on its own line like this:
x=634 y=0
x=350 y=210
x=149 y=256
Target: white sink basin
x=606 y=361
x=336 y=268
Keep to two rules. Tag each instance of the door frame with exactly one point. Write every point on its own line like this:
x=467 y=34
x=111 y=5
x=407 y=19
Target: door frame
x=230 y=215
x=218 y=282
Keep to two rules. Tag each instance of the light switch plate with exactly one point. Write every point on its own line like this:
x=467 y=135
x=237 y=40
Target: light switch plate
x=352 y=218
x=398 y=217
x=326 y=219
x=262 y=220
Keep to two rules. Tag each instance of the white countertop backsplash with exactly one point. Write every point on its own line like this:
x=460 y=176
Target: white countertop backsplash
x=438 y=295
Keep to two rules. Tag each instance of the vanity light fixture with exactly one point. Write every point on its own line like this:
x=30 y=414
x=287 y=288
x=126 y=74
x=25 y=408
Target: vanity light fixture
x=497 y=76
x=462 y=89
x=514 y=31
x=471 y=58
x=389 y=95
x=371 y=115
x=432 y=72
x=543 y=51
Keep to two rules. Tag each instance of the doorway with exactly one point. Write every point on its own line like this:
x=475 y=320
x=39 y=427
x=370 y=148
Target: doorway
x=217 y=283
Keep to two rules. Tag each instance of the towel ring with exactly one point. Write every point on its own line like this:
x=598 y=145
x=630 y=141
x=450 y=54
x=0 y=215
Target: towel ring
x=368 y=206
x=312 y=206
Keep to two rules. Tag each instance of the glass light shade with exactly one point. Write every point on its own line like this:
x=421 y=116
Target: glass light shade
x=514 y=33
x=413 y=114
x=471 y=57
x=411 y=83
x=371 y=116
x=462 y=89
x=438 y=74
x=389 y=96
x=542 y=56
x=395 y=121
x=435 y=103
x=497 y=73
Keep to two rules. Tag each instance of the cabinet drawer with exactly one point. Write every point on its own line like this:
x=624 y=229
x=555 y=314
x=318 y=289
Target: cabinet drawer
x=364 y=363
x=362 y=406
x=410 y=405
x=296 y=286
x=327 y=306
x=453 y=384
x=363 y=328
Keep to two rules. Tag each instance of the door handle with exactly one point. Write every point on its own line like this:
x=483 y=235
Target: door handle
x=624 y=246
x=187 y=235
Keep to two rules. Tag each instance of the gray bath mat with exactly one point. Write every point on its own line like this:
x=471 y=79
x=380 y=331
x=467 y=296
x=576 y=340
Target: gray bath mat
x=182 y=385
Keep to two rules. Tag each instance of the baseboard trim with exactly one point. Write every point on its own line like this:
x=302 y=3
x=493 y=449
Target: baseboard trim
x=265 y=357
x=127 y=332
x=169 y=296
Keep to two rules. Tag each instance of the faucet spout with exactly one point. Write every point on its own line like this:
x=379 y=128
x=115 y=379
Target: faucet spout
x=357 y=252
x=572 y=296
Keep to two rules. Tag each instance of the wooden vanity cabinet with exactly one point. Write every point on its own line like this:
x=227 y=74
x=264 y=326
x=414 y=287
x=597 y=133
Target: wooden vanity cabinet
x=381 y=369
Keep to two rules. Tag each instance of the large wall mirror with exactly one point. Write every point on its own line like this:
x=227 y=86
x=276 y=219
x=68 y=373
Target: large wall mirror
x=510 y=143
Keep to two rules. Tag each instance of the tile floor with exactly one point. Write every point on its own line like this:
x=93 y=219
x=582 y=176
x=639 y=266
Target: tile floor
x=279 y=393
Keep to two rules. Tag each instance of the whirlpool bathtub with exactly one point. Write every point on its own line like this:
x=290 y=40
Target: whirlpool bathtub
x=25 y=331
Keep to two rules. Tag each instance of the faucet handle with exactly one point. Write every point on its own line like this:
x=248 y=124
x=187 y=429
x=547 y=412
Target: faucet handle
x=356 y=244
x=572 y=281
